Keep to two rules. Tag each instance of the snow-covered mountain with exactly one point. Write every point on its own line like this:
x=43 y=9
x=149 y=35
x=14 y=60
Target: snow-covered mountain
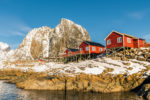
x=67 y=34
x=34 y=44
x=5 y=51
x=4 y=47
x=47 y=42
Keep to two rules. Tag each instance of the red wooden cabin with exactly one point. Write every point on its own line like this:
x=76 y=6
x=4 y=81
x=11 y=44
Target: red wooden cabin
x=71 y=52
x=88 y=47
x=117 y=39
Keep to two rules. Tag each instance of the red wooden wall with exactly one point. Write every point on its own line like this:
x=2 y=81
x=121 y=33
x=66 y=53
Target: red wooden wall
x=135 y=43
x=97 y=48
x=126 y=44
x=113 y=38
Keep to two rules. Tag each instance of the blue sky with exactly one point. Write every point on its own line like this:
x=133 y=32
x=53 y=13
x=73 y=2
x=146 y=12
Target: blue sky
x=99 y=17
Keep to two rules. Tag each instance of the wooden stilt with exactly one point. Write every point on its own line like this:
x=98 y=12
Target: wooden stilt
x=106 y=52
x=124 y=52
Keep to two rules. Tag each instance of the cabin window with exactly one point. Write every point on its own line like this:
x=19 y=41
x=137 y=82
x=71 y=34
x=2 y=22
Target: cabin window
x=101 y=49
x=128 y=40
x=93 y=48
x=87 y=48
x=119 y=39
x=108 y=42
x=80 y=49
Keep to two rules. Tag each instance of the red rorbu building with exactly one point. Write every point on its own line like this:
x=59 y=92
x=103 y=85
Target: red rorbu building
x=88 y=47
x=117 y=39
x=71 y=52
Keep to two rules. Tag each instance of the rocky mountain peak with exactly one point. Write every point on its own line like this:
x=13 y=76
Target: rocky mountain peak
x=46 y=42
x=64 y=20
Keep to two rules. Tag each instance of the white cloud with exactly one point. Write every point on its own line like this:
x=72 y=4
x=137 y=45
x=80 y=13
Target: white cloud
x=137 y=15
x=18 y=33
x=147 y=37
x=14 y=46
x=13 y=26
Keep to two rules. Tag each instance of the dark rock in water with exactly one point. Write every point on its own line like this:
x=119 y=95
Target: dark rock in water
x=145 y=91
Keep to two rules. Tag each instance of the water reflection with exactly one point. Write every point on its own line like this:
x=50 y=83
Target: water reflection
x=10 y=92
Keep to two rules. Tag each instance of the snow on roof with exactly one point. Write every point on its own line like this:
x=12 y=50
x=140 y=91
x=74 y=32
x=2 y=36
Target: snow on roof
x=94 y=43
x=73 y=50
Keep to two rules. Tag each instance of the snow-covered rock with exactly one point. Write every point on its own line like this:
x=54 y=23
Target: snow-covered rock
x=5 y=51
x=4 y=46
x=47 y=42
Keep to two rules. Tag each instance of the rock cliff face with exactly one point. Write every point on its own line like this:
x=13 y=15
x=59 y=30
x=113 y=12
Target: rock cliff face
x=67 y=34
x=47 y=42
x=83 y=82
x=33 y=44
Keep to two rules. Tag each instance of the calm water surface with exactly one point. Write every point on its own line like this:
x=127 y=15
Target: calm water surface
x=10 y=92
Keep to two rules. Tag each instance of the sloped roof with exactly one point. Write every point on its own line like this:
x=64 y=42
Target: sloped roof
x=94 y=43
x=73 y=50
x=125 y=35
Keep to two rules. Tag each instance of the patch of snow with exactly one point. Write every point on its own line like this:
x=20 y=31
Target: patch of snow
x=4 y=46
x=94 y=70
x=40 y=68
x=144 y=48
x=136 y=68
x=148 y=72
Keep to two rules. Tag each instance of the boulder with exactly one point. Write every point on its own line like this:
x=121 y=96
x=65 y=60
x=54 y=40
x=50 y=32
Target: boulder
x=116 y=58
x=124 y=59
x=140 y=58
x=126 y=63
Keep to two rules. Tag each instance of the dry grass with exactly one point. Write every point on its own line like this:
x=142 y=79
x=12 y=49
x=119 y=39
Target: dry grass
x=126 y=63
x=130 y=68
x=22 y=63
x=16 y=75
x=70 y=71
x=108 y=70
x=82 y=68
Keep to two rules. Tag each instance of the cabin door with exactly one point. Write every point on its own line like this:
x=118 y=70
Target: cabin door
x=135 y=43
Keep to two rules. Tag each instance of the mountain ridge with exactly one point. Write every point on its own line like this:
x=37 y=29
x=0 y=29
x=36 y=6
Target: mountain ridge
x=46 y=42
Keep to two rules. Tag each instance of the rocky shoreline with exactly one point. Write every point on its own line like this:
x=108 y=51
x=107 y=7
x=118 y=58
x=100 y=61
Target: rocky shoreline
x=103 y=83
x=102 y=75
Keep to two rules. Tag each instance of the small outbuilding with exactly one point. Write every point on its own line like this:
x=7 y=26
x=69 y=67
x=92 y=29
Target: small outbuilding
x=117 y=39
x=71 y=51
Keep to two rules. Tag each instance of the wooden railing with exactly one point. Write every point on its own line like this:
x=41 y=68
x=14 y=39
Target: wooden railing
x=147 y=45
x=75 y=53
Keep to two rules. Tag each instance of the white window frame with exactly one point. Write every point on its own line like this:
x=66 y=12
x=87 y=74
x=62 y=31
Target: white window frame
x=87 y=48
x=119 y=40
x=80 y=49
x=93 y=49
x=69 y=52
x=128 y=40
x=109 y=42
x=100 y=49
